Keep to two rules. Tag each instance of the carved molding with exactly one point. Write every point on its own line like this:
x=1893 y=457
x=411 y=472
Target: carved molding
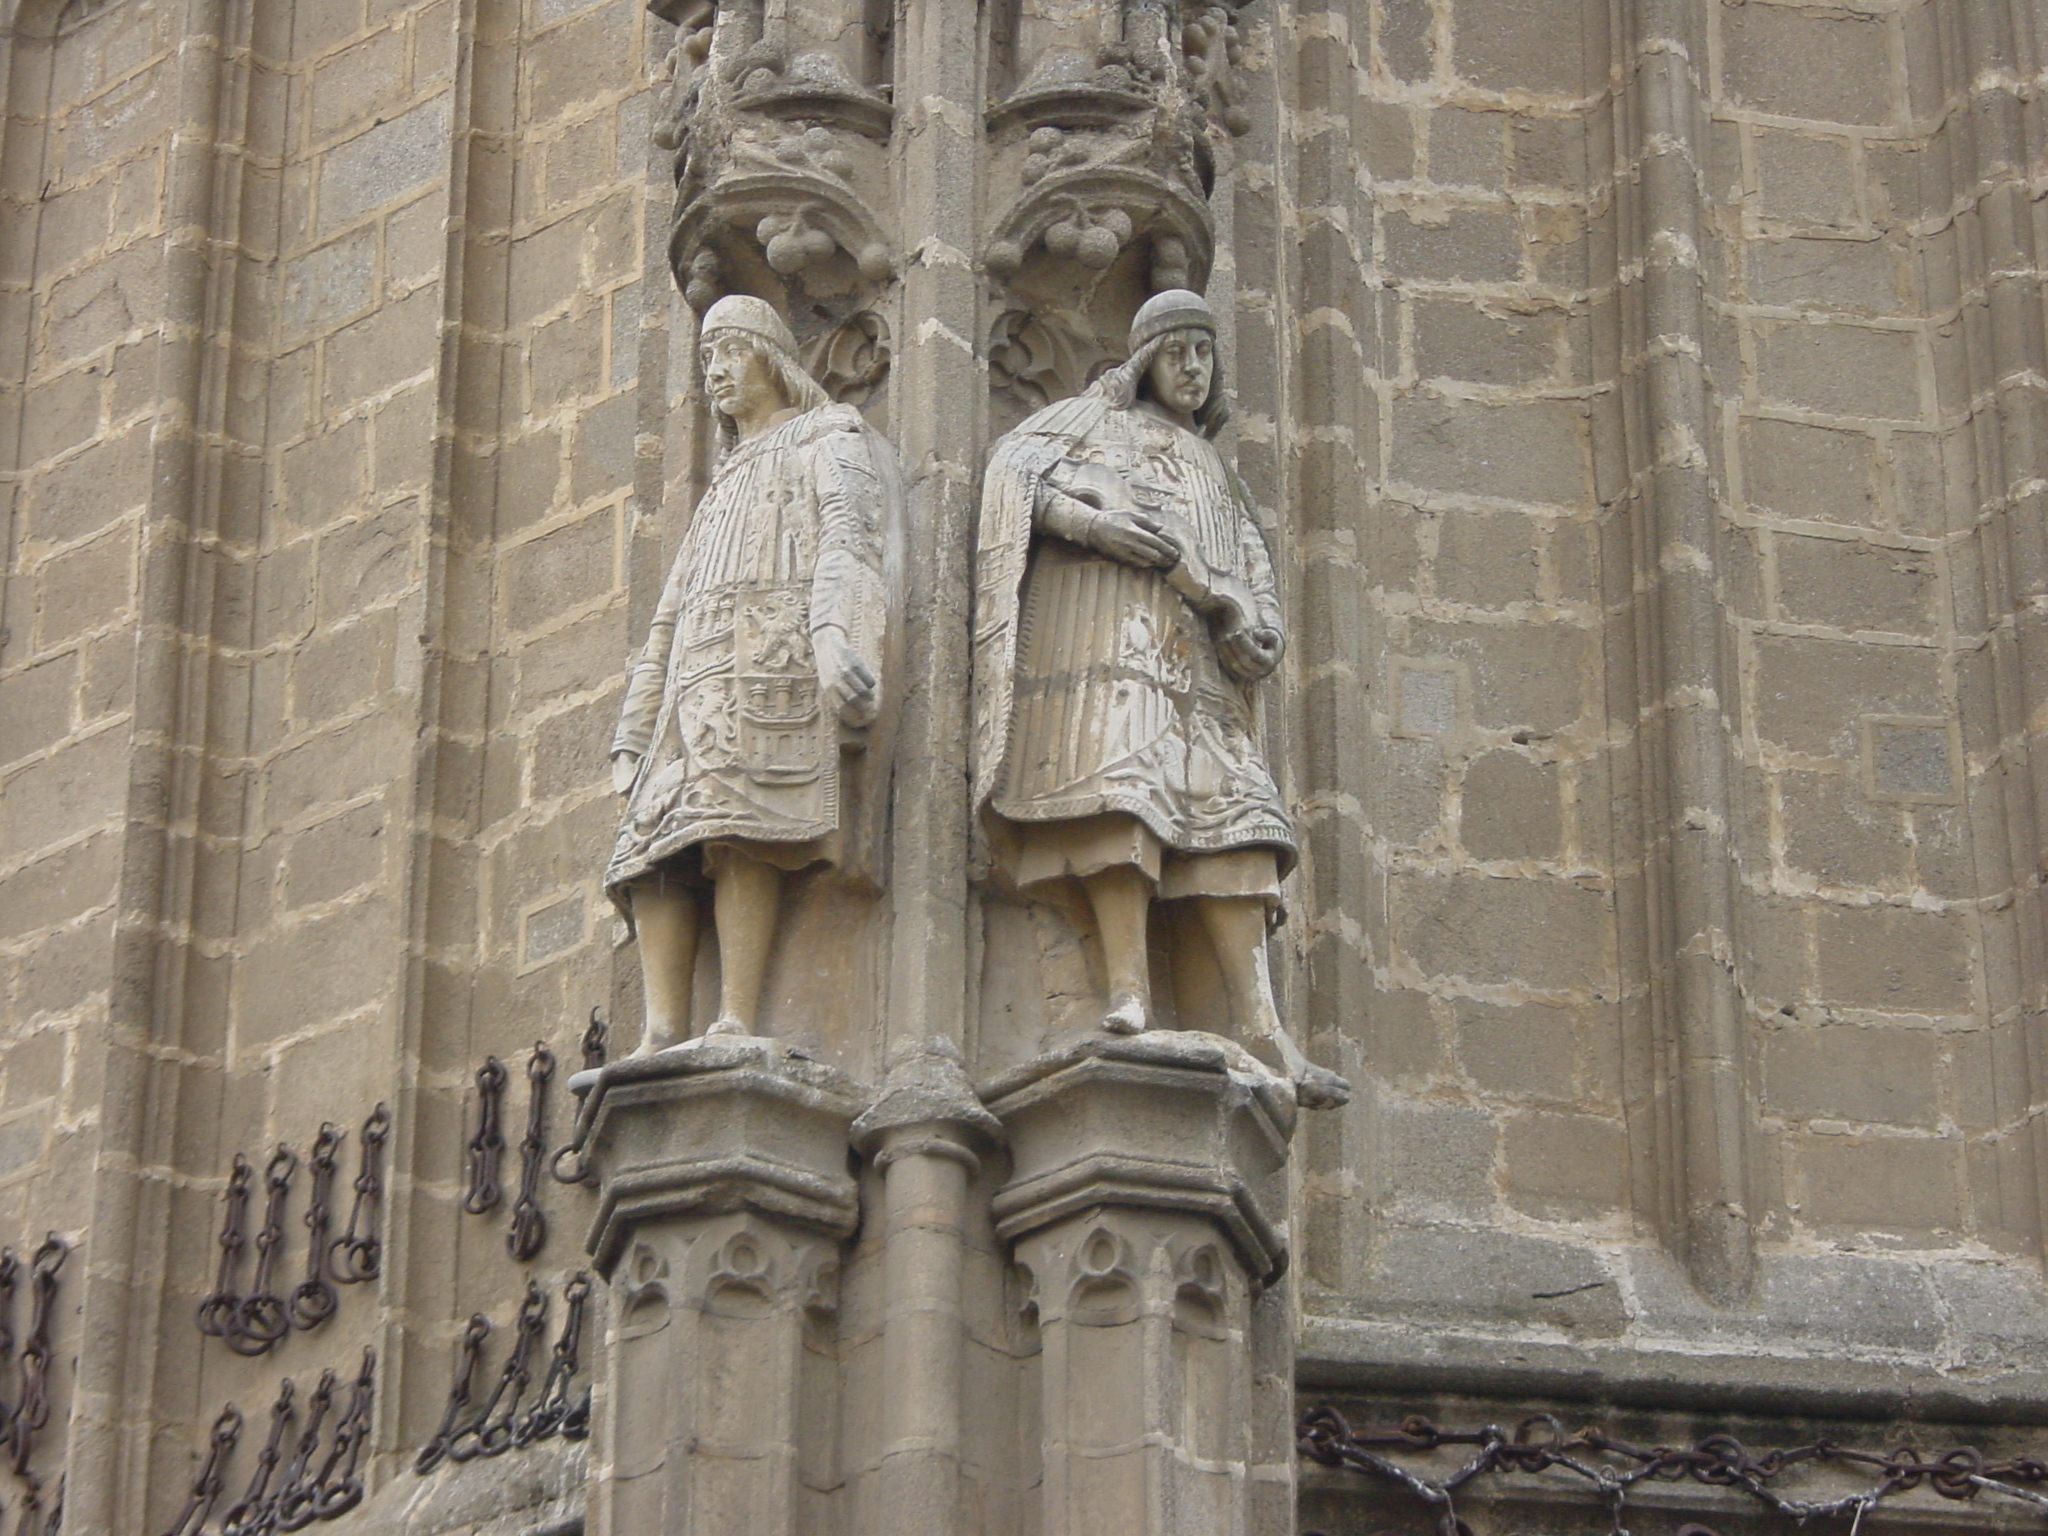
x=1162 y=1121
x=780 y=165
x=734 y=1265
x=1118 y=1264
x=712 y=1128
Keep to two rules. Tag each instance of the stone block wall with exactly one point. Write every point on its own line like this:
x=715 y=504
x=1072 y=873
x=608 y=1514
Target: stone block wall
x=1456 y=753
x=83 y=177
x=325 y=327
x=1661 y=395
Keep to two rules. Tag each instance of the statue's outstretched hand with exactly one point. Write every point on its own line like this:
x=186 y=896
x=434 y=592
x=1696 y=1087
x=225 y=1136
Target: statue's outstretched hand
x=625 y=768
x=1251 y=651
x=845 y=677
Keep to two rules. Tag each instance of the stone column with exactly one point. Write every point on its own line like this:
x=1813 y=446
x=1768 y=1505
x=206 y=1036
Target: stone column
x=924 y=1133
x=1145 y=1182
x=724 y=1198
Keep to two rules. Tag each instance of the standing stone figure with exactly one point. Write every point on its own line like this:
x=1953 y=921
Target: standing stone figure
x=745 y=710
x=1126 y=611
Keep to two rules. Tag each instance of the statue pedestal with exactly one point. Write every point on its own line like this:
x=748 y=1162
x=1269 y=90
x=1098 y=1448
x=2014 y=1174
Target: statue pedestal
x=724 y=1199
x=1146 y=1180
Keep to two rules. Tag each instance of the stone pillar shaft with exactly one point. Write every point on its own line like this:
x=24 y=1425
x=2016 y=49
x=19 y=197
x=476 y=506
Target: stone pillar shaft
x=922 y=1133
x=1146 y=1374
x=724 y=1203
x=926 y=1194
x=1143 y=1171
x=718 y=1355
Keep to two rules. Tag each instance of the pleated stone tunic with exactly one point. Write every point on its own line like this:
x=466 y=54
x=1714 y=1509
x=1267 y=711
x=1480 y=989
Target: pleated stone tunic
x=724 y=706
x=1120 y=703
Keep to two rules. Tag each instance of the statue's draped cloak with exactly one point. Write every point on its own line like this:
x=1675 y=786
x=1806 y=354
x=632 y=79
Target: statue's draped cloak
x=723 y=705
x=1097 y=687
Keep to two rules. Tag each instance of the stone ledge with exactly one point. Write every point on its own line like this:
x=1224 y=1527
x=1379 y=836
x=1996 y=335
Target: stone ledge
x=1159 y=1120
x=713 y=1127
x=539 y=1491
x=1404 y=1354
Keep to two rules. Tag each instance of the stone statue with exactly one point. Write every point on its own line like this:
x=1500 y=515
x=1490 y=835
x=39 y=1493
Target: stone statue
x=1126 y=610
x=747 y=707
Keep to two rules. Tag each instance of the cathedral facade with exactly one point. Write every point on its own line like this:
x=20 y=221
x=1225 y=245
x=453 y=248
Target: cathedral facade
x=1026 y=769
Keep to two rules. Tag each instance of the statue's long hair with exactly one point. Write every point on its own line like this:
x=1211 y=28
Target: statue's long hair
x=798 y=388
x=1121 y=385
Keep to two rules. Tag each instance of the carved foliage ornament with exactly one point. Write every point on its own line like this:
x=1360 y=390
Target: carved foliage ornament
x=779 y=141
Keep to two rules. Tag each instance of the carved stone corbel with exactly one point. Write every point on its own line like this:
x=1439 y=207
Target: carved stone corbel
x=1104 y=153
x=1142 y=1209
x=723 y=1203
x=780 y=142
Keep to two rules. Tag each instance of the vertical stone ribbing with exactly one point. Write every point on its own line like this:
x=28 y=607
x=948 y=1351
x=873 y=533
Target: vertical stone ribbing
x=1974 y=207
x=937 y=405
x=111 y=1431
x=938 y=392
x=1688 y=712
x=431 y=799
x=1329 y=452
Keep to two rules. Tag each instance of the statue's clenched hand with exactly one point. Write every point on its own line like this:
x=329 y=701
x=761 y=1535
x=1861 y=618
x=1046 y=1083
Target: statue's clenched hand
x=1251 y=651
x=845 y=677
x=625 y=768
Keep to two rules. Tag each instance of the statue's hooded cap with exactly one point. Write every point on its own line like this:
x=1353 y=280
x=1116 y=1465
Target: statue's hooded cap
x=1174 y=310
x=757 y=317
x=749 y=316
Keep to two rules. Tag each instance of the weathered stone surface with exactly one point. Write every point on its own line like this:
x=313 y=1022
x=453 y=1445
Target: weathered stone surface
x=1637 y=403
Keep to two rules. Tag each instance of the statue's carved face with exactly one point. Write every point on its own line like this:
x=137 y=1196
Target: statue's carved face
x=738 y=378
x=1181 y=370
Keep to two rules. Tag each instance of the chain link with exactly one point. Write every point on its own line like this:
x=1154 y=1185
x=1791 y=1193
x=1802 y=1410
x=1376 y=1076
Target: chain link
x=529 y=1223
x=468 y=1359
x=217 y=1311
x=1615 y=1466
x=33 y=1411
x=488 y=1144
x=358 y=1253
x=314 y=1299
x=261 y=1319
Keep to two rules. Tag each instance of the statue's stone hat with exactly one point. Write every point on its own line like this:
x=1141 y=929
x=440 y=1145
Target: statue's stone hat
x=757 y=317
x=1173 y=310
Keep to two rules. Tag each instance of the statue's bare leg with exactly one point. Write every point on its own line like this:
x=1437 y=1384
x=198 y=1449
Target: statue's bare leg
x=1122 y=899
x=665 y=919
x=747 y=900
x=1237 y=929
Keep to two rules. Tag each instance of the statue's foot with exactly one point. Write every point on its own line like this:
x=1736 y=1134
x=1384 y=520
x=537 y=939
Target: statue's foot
x=1320 y=1088
x=1126 y=1015
x=653 y=1041
x=728 y=1026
